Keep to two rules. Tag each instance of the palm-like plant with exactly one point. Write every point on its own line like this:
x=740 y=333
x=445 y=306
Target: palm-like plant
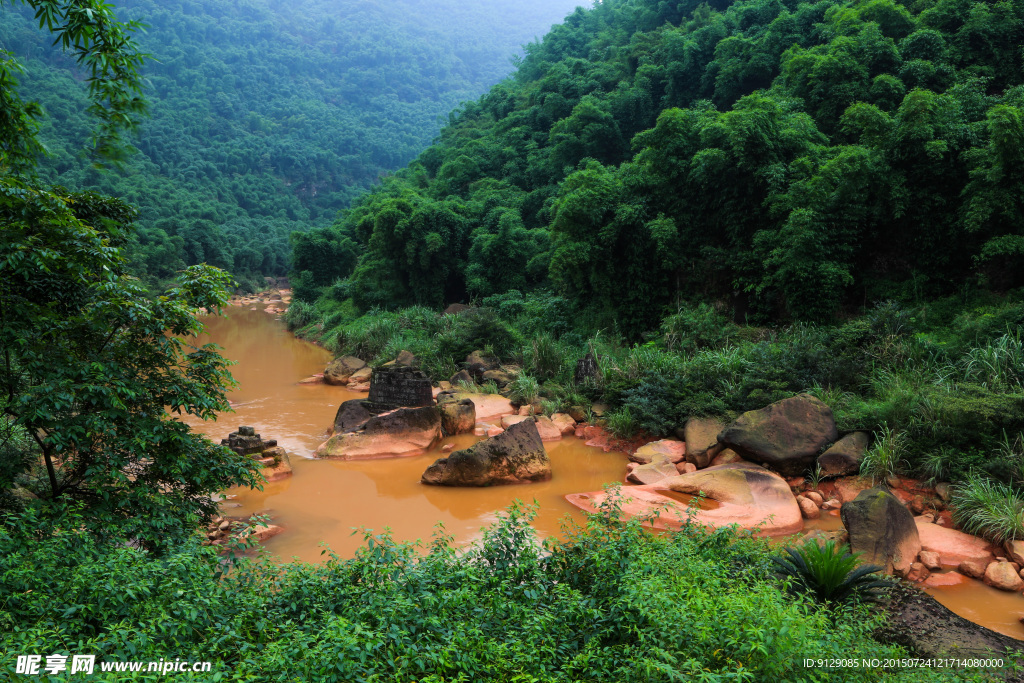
x=829 y=573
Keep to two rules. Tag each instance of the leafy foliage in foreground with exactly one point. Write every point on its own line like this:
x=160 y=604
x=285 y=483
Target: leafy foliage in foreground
x=831 y=574
x=90 y=367
x=610 y=603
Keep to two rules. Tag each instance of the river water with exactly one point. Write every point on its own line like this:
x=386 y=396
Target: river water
x=326 y=501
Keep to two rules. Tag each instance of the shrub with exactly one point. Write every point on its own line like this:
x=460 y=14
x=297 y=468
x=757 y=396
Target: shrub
x=524 y=389
x=885 y=458
x=830 y=574
x=300 y=314
x=623 y=423
x=988 y=508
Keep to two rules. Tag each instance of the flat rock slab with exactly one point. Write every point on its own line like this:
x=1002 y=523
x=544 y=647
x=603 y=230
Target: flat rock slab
x=953 y=546
x=489 y=407
x=657 y=470
x=946 y=579
x=742 y=494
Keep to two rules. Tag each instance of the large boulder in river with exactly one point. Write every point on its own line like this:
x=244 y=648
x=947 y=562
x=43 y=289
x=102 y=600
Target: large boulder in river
x=844 y=456
x=458 y=415
x=515 y=456
x=402 y=432
x=882 y=529
x=738 y=493
x=339 y=370
x=787 y=435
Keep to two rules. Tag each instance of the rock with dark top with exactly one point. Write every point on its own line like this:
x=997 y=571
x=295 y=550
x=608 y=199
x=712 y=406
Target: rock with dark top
x=399 y=433
x=844 y=456
x=398 y=385
x=339 y=370
x=354 y=414
x=515 y=456
x=458 y=415
x=461 y=377
x=786 y=436
x=587 y=370
x=478 y=362
x=246 y=442
x=882 y=529
x=457 y=309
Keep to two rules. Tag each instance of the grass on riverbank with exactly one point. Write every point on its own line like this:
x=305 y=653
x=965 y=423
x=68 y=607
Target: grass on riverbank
x=611 y=603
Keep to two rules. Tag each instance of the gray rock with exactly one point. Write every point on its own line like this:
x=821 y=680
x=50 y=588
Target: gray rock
x=844 y=456
x=882 y=529
x=515 y=456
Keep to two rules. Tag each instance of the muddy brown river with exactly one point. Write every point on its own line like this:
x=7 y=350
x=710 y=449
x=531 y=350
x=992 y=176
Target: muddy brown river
x=325 y=501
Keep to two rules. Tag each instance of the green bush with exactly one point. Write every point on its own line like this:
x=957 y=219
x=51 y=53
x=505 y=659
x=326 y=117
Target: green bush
x=830 y=574
x=988 y=508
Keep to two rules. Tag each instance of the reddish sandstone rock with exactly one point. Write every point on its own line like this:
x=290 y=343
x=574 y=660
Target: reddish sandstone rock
x=953 y=546
x=458 y=415
x=489 y=407
x=701 y=435
x=281 y=467
x=726 y=456
x=566 y=425
x=264 y=531
x=848 y=488
x=945 y=579
x=1015 y=551
x=674 y=451
x=917 y=573
x=660 y=468
x=685 y=467
x=315 y=379
x=930 y=559
x=340 y=369
x=399 y=433
x=1002 y=576
x=494 y=431
x=815 y=497
x=807 y=508
x=547 y=429
x=973 y=568
x=787 y=435
x=514 y=457
x=742 y=494
x=510 y=420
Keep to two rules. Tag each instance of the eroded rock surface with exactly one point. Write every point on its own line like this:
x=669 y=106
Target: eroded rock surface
x=458 y=415
x=515 y=456
x=701 y=436
x=339 y=370
x=401 y=432
x=740 y=493
x=882 y=529
x=787 y=435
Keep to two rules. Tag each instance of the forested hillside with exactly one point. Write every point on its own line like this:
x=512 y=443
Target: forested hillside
x=790 y=159
x=269 y=116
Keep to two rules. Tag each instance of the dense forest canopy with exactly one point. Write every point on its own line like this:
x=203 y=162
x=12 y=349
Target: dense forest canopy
x=790 y=158
x=268 y=116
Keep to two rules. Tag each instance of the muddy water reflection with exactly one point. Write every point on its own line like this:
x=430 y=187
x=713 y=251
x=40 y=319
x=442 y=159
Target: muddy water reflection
x=325 y=499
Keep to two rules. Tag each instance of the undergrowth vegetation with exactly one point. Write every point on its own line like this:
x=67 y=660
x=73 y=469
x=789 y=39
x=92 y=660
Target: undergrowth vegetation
x=611 y=602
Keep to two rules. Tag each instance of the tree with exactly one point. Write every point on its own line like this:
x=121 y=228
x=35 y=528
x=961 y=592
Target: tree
x=89 y=367
x=101 y=44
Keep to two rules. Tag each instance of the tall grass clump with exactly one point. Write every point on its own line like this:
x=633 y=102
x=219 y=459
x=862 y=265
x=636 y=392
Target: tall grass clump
x=988 y=508
x=524 y=389
x=300 y=314
x=998 y=364
x=885 y=458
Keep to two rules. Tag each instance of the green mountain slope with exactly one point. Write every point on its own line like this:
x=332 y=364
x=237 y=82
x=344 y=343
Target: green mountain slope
x=789 y=158
x=268 y=116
